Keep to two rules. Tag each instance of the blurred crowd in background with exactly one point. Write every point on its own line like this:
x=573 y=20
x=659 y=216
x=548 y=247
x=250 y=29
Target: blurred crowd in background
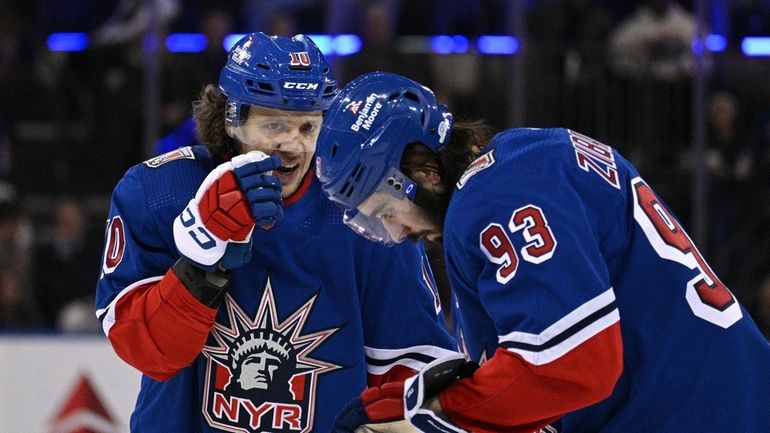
x=71 y=123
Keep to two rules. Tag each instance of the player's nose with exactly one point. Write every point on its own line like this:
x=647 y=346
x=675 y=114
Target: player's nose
x=290 y=145
x=398 y=232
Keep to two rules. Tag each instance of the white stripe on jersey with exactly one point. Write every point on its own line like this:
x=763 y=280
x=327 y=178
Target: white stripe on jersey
x=569 y=332
x=380 y=361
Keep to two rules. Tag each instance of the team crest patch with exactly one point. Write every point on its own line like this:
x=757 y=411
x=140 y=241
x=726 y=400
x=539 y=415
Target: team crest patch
x=443 y=127
x=181 y=153
x=260 y=375
x=242 y=53
x=482 y=162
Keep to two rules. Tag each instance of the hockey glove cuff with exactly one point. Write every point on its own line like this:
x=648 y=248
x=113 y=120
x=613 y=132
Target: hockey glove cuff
x=421 y=406
x=207 y=287
x=406 y=406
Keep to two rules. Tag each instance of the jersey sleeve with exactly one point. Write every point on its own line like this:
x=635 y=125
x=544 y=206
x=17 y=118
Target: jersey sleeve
x=401 y=311
x=525 y=257
x=148 y=315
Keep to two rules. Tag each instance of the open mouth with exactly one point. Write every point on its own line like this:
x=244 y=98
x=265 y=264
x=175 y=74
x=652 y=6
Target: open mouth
x=287 y=170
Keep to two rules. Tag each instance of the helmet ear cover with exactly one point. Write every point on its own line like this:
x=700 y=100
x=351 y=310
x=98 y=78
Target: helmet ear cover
x=422 y=196
x=235 y=115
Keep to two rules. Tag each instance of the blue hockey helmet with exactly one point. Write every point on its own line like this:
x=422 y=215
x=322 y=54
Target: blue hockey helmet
x=276 y=72
x=366 y=130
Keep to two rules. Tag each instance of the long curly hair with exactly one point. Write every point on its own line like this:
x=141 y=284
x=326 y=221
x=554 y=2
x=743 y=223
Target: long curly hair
x=467 y=142
x=208 y=112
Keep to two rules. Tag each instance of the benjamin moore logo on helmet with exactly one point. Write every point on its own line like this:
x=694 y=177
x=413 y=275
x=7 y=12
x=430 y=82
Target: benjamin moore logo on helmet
x=368 y=113
x=353 y=106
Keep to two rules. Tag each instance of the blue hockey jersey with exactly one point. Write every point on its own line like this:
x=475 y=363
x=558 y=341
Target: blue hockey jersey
x=586 y=298
x=314 y=317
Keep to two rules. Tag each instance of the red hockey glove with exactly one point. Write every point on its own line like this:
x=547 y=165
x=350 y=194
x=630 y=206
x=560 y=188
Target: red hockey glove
x=399 y=406
x=215 y=228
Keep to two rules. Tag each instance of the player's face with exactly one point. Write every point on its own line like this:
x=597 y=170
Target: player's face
x=289 y=134
x=401 y=217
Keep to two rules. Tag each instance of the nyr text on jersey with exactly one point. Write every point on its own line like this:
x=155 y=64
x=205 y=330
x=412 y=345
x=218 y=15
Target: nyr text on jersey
x=368 y=113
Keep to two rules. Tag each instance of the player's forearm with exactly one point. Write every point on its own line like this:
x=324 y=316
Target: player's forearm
x=509 y=394
x=160 y=328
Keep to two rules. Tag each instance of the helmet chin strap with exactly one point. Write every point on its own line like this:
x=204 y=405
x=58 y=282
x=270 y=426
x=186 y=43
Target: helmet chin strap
x=423 y=197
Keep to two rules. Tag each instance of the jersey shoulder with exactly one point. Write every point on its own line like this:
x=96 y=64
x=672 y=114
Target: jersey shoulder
x=549 y=158
x=512 y=158
x=152 y=193
x=167 y=180
x=553 y=167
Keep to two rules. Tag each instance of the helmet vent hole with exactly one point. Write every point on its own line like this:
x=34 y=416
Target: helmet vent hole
x=263 y=66
x=359 y=171
x=411 y=96
x=349 y=188
x=259 y=87
x=335 y=147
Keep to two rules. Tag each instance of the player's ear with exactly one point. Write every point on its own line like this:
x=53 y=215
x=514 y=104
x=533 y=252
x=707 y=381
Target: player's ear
x=421 y=165
x=426 y=175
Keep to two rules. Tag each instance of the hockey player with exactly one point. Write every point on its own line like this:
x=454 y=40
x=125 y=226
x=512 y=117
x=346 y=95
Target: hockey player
x=229 y=280
x=579 y=292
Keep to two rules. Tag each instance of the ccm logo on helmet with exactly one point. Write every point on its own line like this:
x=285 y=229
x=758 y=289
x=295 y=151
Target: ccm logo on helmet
x=300 y=86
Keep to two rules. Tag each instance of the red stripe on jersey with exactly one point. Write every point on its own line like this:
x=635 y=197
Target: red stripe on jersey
x=160 y=328
x=427 y=276
x=509 y=394
x=398 y=373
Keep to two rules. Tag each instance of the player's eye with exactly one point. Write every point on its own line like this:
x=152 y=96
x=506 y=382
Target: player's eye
x=275 y=127
x=307 y=127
